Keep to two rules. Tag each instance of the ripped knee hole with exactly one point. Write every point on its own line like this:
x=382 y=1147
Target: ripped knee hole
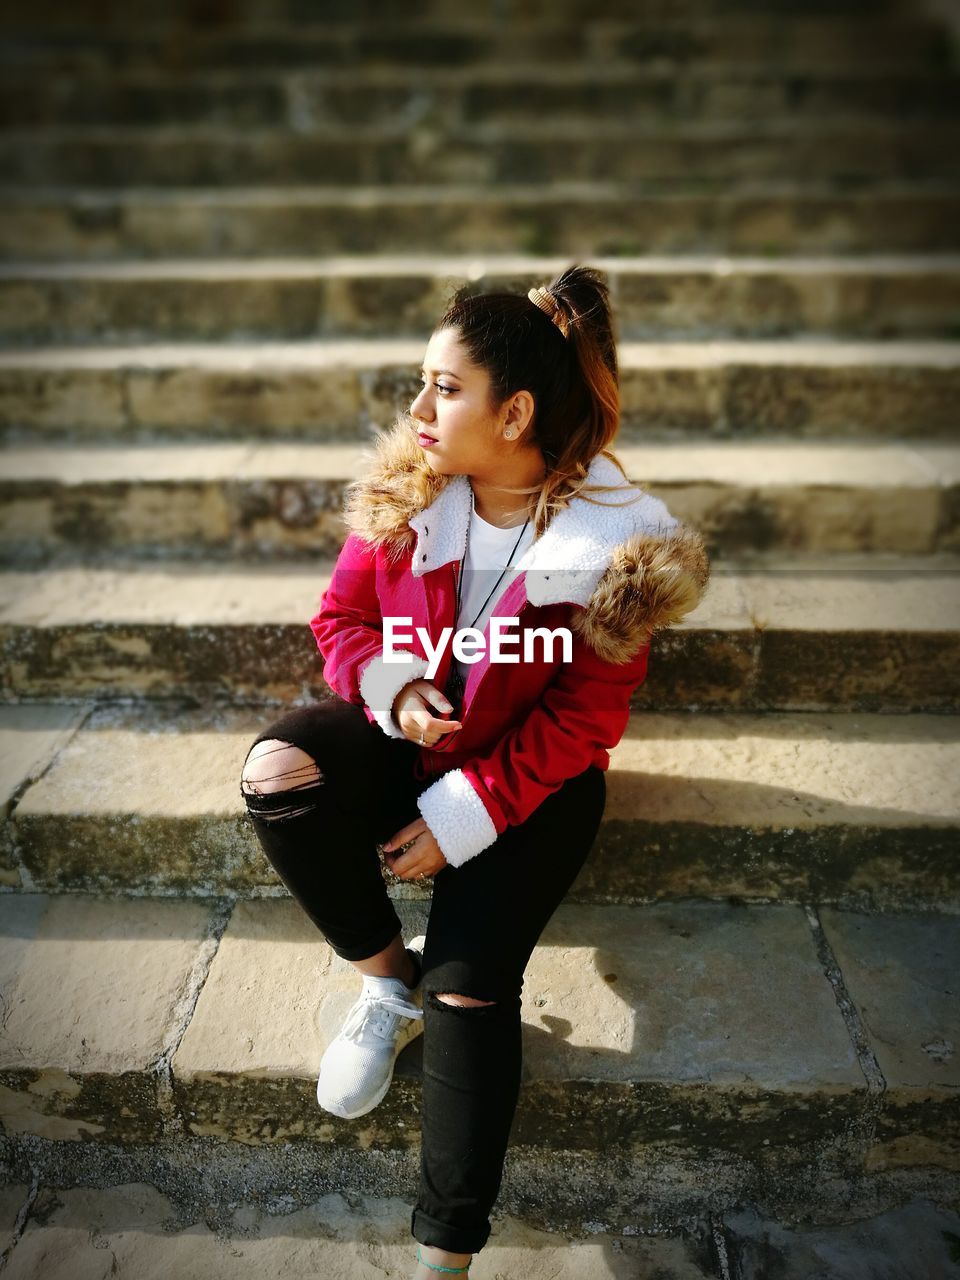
x=272 y=770
x=462 y=1002
x=293 y=767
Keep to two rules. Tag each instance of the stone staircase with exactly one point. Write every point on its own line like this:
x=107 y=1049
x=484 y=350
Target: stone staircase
x=226 y=230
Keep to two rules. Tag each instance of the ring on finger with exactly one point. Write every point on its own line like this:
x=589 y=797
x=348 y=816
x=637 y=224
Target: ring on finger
x=421 y=737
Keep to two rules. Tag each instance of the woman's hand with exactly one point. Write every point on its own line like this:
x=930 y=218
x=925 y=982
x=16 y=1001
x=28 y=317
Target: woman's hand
x=413 y=711
x=423 y=858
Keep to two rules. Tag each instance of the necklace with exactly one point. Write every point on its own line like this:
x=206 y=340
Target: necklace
x=455 y=683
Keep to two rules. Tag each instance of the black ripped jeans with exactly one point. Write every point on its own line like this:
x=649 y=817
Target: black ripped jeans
x=485 y=919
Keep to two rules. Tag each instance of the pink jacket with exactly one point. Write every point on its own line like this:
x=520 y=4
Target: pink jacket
x=613 y=574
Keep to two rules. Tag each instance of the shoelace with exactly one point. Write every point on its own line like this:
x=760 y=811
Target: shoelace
x=369 y=1014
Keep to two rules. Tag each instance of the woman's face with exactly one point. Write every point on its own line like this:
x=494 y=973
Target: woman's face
x=453 y=409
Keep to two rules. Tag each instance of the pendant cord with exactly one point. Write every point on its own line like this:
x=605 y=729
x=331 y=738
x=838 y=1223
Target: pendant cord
x=454 y=686
x=498 y=581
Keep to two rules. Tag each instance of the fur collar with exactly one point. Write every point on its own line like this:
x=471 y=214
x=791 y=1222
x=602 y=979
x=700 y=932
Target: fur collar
x=631 y=566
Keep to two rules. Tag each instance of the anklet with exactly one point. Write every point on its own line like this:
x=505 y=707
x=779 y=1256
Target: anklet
x=434 y=1267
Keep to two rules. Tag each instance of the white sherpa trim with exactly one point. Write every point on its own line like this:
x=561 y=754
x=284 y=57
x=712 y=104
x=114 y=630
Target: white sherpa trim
x=574 y=551
x=380 y=683
x=457 y=817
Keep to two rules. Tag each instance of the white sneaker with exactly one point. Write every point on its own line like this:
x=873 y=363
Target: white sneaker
x=357 y=1067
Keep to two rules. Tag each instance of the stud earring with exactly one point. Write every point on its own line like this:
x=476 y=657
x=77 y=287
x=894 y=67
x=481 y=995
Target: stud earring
x=509 y=433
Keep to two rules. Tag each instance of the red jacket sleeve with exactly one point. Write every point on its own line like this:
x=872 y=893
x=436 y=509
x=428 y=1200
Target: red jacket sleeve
x=348 y=628
x=585 y=707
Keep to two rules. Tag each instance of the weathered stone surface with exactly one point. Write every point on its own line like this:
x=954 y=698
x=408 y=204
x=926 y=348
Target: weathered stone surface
x=235 y=500
x=276 y=995
x=646 y=151
x=581 y=221
x=162 y=638
x=94 y=994
x=148 y=801
x=919 y=1239
x=799 y=390
x=645 y=1039
x=30 y=738
x=905 y=657
x=856 y=809
x=836 y=496
x=541 y=33
x=902 y=976
x=13 y=1196
x=325 y=389
x=788 y=633
x=669 y=1001
x=337 y=97
x=780 y=806
x=658 y=298
x=283 y=500
x=346 y=1235
x=90 y=402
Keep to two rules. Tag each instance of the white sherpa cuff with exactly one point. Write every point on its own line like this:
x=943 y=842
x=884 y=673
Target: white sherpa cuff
x=381 y=682
x=457 y=817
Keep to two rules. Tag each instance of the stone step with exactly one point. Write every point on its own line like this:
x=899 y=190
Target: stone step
x=282 y=501
x=846 y=149
x=166 y=1218
x=752 y=40
x=337 y=390
x=730 y=807
x=129 y=16
x=656 y=1051
x=580 y=219
x=834 y=632
x=655 y=298
x=334 y=98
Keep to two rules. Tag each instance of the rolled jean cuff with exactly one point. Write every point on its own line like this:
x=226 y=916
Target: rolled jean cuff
x=441 y=1235
x=379 y=942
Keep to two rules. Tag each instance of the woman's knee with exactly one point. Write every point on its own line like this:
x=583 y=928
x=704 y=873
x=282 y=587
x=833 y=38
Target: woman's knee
x=274 y=768
x=468 y=983
x=275 y=765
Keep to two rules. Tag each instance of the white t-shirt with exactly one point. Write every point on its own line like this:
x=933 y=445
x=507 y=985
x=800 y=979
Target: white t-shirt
x=488 y=551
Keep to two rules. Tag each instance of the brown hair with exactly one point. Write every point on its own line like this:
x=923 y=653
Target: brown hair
x=569 y=365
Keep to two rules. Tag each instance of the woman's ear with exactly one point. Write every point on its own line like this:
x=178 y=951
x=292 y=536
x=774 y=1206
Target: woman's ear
x=519 y=416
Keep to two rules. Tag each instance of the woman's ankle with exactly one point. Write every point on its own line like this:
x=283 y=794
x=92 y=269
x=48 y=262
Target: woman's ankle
x=395 y=961
x=428 y=1253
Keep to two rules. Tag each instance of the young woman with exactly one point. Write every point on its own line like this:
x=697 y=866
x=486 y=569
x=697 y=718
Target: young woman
x=497 y=505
